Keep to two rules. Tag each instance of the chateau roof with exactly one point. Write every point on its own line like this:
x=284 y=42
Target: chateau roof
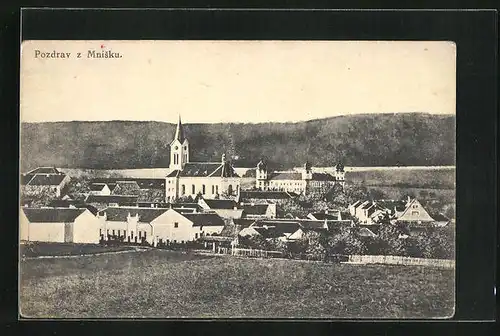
x=322 y=177
x=257 y=209
x=286 y=176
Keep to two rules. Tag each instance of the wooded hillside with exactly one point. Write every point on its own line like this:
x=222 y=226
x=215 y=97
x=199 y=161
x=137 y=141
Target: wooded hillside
x=359 y=140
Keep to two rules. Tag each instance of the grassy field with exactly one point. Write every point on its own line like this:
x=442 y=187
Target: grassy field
x=37 y=249
x=414 y=178
x=158 y=283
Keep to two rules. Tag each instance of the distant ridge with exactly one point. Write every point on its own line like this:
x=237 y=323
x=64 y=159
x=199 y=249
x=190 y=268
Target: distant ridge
x=388 y=139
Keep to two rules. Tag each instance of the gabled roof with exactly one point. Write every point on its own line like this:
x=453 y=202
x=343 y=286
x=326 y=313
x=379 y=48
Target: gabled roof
x=313 y=224
x=43 y=170
x=220 y=203
x=356 y=204
x=47 y=180
x=242 y=222
x=205 y=219
x=144 y=183
x=24 y=179
x=97 y=186
x=126 y=188
x=286 y=176
x=120 y=199
x=323 y=216
x=439 y=217
x=285 y=226
x=365 y=232
x=256 y=209
x=52 y=215
x=174 y=173
x=120 y=214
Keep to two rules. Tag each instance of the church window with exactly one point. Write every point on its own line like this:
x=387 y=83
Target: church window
x=193 y=189
x=230 y=189
x=183 y=189
x=185 y=147
x=176 y=148
x=213 y=189
x=203 y=189
x=216 y=189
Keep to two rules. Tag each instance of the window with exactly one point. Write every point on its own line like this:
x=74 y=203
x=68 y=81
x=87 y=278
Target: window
x=100 y=232
x=132 y=234
x=415 y=213
x=176 y=225
x=415 y=206
x=107 y=232
x=213 y=189
x=175 y=241
x=183 y=189
x=140 y=234
x=195 y=236
x=216 y=189
x=230 y=189
x=176 y=147
x=168 y=183
x=113 y=232
x=193 y=189
x=203 y=189
x=185 y=147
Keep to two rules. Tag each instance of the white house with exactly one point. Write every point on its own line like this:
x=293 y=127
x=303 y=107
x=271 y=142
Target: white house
x=61 y=225
x=210 y=179
x=157 y=225
x=43 y=179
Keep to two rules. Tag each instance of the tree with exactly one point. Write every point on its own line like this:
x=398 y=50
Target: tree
x=314 y=246
x=37 y=196
x=79 y=187
x=345 y=242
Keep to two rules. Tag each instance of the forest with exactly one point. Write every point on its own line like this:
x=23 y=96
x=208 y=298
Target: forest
x=405 y=139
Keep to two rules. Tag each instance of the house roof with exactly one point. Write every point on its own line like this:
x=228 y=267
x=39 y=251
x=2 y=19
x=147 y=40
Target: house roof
x=144 y=183
x=242 y=222
x=323 y=216
x=46 y=180
x=72 y=203
x=174 y=173
x=52 y=215
x=97 y=186
x=120 y=199
x=285 y=226
x=365 y=232
x=120 y=214
x=313 y=224
x=205 y=219
x=256 y=209
x=220 y=203
x=257 y=194
x=439 y=217
x=43 y=170
x=355 y=204
x=286 y=176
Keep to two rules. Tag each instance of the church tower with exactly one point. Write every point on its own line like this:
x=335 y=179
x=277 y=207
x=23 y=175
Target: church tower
x=261 y=181
x=179 y=148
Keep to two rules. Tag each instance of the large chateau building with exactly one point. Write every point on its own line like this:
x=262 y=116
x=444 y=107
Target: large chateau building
x=185 y=178
x=300 y=182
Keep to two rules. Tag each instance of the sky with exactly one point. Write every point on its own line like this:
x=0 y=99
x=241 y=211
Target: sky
x=235 y=81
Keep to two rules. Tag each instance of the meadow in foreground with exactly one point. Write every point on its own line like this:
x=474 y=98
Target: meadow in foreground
x=159 y=283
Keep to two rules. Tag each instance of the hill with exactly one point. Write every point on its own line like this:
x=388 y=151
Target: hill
x=416 y=139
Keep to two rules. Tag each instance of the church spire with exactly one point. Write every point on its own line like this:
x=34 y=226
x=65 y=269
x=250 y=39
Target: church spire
x=179 y=131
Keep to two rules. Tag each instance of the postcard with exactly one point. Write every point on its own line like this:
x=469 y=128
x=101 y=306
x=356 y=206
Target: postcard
x=237 y=179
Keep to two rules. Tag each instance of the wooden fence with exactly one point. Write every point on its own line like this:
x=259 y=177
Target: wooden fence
x=248 y=252
x=400 y=260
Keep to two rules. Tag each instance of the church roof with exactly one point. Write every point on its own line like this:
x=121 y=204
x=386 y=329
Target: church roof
x=205 y=169
x=322 y=177
x=179 y=132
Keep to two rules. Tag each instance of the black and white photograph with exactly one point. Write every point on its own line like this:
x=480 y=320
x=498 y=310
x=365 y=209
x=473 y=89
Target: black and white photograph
x=267 y=179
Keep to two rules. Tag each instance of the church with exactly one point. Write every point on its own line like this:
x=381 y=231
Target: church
x=185 y=178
